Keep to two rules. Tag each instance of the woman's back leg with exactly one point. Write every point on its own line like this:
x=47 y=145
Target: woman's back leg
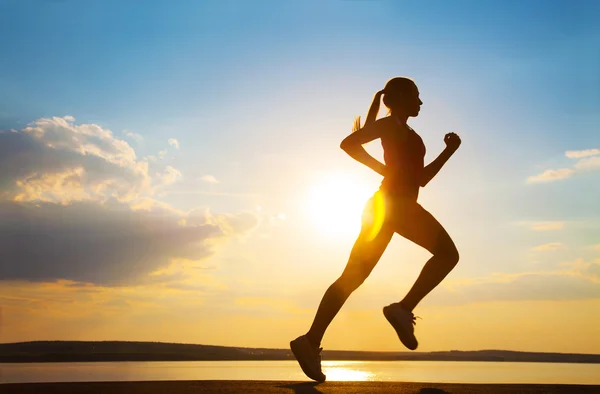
x=364 y=256
x=366 y=252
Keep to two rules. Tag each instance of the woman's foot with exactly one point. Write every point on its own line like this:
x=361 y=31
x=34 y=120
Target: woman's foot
x=309 y=357
x=403 y=322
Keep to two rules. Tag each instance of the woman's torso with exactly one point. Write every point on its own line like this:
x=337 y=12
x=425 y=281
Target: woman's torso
x=404 y=154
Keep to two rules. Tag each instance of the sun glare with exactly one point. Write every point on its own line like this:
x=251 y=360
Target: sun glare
x=344 y=371
x=335 y=203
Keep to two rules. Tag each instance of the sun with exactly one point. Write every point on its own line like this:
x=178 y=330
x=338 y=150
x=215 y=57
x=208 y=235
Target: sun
x=335 y=203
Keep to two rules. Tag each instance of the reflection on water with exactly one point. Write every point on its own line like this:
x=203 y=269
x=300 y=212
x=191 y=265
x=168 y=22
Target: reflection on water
x=348 y=371
x=404 y=371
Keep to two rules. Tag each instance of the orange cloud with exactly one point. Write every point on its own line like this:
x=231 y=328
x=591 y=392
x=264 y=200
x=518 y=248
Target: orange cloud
x=545 y=226
x=546 y=247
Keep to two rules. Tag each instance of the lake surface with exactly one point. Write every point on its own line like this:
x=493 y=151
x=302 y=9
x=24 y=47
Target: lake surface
x=406 y=371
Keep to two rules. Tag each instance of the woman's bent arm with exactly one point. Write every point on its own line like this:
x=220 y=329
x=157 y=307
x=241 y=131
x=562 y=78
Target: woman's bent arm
x=435 y=166
x=452 y=143
x=352 y=145
x=358 y=153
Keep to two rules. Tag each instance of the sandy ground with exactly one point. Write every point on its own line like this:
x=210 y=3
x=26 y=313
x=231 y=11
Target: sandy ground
x=224 y=386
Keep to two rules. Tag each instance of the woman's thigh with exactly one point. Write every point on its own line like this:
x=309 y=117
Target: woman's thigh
x=416 y=224
x=374 y=237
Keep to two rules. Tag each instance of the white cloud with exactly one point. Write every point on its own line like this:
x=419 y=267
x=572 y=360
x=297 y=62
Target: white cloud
x=588 y=160
x=133 y=136
x=209 y=179
x=588 y=163
x=551 y=175
x=76 y=203
x=169 y=176
x=578 y=154
x=57 y=160
x=162 y=154
x=174 y=142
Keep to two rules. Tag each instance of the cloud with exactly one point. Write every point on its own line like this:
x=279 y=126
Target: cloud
x=545 y=226
x=232 y=224
x=169 y=176
x=577 y=280
x=588 y=163
x=67 y=300
x=107 y=243
x=56 y=160
x=209 y=179
x=77 y=204
x=588 y=160
x=551 y=175
x=133 y=136
x=593 y=271
x=546 y=247
x=185 y=275
x=578 y=154
x=587 y=269
x=162 y=154
x=174 y=142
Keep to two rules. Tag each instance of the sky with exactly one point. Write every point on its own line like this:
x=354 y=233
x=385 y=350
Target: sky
x=172 y=172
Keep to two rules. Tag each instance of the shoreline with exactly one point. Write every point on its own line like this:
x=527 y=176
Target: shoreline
x=92 y=351
x=250 y=386
x=175 y=360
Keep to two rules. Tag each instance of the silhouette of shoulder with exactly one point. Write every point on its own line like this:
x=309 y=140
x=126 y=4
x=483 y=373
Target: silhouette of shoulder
x=385 y=121
x=385 y=125
x=381 y=128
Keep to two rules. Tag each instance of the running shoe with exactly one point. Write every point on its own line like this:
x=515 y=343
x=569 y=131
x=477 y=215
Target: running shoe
x=309 y=357
x=403 y=322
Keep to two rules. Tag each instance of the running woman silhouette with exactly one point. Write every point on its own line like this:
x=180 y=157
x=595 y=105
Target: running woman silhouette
x=392 y=209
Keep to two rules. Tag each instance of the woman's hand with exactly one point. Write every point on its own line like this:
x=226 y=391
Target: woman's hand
x=452 y=141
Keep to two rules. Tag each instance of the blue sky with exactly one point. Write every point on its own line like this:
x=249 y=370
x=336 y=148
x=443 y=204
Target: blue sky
x=259 y=94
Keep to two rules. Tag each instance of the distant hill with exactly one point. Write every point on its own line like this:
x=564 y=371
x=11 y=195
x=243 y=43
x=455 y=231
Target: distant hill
x=70 y=351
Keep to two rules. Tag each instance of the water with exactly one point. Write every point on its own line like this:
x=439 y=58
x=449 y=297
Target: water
x=406 y=371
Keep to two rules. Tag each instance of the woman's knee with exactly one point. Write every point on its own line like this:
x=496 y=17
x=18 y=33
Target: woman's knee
x=446 y=249
x=351 y=280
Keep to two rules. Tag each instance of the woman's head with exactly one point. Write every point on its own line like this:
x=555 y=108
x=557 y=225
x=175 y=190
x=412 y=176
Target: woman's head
x=401 y=95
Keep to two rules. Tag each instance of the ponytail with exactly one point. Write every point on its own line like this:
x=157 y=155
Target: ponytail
x=372 y=114
x=374 y=110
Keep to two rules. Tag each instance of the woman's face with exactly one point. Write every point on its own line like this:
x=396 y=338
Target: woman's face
x=411 y=101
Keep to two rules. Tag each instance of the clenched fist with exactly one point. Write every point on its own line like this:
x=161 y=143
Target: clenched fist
x=452 y=141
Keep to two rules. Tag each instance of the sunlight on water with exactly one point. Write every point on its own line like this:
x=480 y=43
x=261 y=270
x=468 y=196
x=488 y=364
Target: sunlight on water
x=390 y=371
x=343 y=371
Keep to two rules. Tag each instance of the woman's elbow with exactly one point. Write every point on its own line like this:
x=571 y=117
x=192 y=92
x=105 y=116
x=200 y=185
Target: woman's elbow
x=345 y=145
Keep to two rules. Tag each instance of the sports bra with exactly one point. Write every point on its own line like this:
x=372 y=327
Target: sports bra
x=404 y=155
